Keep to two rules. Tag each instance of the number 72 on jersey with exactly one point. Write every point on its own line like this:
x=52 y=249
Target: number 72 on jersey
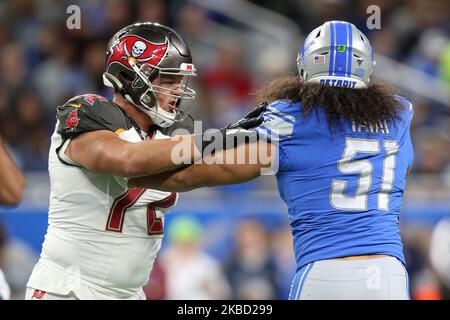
x=128 y=199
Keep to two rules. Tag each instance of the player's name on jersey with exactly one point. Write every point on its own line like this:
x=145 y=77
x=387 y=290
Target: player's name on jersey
x=380 y=127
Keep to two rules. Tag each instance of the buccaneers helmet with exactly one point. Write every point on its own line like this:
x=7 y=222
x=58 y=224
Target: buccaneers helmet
x=137 y=56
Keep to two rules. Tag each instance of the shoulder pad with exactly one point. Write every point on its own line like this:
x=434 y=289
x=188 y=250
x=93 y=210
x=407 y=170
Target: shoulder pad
x=278 y=124
x=89 y=112
x=407 y=112
x=405 y=103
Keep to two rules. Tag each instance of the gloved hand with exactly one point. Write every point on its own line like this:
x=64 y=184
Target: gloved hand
x=235 y=133
x=252 y=119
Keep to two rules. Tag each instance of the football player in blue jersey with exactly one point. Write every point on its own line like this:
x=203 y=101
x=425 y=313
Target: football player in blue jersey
x=342 y=149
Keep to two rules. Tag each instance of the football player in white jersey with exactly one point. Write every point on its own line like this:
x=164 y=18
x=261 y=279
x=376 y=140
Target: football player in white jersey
x=103 y=237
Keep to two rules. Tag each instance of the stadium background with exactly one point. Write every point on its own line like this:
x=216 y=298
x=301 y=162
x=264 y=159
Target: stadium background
x=228 y=242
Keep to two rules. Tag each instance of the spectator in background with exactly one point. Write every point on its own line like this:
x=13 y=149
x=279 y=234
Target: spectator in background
x=444 y=64
x=424 y=283
x=385 y=42
x=153 y=10
x=62 y=75
x=13 y=73
x=273 y=63
x=191 y=273
x=34 y=144
x=251 y=270
x=155 y=289
x=119 y=13
x=440 y=254
x=93 y=59
x=228 y=83
x=428 y=52
x=35 y=150
x=431 y=156
x=10 y=131
x=427 y=286
x=193 y=23
x=285 y=260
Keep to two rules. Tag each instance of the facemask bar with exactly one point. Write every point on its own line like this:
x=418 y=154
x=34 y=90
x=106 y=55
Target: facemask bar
x=156 y=112
x=186 y=92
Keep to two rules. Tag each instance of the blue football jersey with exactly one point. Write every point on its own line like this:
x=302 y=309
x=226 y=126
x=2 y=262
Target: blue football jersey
x=343 y=187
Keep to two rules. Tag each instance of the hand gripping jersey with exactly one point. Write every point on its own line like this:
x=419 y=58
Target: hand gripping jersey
x=344 y=188
x=102 y=237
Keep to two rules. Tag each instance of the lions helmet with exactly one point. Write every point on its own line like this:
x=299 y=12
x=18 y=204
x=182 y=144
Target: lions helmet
x=336 y=54
x=136 y=58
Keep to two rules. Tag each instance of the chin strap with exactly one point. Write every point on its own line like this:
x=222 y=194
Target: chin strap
x=124 y=92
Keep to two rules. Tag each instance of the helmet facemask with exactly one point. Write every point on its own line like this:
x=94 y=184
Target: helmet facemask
x=150 y=77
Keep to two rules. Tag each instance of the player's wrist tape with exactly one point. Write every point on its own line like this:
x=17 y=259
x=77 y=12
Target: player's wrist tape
x=214 y=140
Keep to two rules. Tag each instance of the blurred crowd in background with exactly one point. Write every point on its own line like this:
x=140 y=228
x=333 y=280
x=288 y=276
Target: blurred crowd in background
x=43 y=64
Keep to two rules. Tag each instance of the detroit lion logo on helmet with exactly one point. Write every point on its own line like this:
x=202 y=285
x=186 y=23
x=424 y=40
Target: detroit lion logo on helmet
x=139 y=50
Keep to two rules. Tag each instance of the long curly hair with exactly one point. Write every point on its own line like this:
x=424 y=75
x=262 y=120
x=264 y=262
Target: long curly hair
x=368 y=106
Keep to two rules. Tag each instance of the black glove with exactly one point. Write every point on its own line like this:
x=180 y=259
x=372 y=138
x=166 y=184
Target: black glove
x=252 y=119
x=235 y=133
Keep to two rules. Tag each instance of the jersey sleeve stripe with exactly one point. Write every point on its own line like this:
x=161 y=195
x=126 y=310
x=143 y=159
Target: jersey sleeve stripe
x=281 y=115
x=269 y=134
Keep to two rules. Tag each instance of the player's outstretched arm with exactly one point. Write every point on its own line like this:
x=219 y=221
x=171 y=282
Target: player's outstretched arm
x=231 y=166
x=12 y=181
x=90 y=140
x=103 y=151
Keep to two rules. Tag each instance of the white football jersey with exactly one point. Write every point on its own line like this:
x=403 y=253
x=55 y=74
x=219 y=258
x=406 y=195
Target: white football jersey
x=102 y=237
